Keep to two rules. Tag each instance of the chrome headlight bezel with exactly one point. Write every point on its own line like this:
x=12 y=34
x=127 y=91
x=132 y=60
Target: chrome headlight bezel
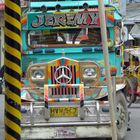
x=37 y=74
x=90 y=72
x=93 y=78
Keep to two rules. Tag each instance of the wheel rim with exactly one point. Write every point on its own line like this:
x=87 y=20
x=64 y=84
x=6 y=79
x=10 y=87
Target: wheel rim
x=121 y=117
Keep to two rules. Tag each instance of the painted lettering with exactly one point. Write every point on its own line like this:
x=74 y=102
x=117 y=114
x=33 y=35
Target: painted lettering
x=70 y=19
x=94 y=18
x=49 y=20
x=59 y=20
x=38 y=22
x=82 y=19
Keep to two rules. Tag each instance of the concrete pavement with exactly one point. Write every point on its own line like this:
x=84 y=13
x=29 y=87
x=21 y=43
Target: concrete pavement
x=1 y=117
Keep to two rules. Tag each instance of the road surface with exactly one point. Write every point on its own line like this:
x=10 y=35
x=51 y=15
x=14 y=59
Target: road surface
x=1 y=117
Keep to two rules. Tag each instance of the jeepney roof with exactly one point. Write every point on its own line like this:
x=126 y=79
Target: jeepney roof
x=66 y=3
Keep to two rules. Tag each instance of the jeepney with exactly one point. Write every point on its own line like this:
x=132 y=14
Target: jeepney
x=132 y=73
x=64 y=89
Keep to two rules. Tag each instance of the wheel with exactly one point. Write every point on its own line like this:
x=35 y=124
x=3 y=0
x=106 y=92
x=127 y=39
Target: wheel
x=122 y=115
x=129 y=92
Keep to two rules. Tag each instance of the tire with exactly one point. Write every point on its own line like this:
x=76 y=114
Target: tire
x=130 y=97
x=121 y=115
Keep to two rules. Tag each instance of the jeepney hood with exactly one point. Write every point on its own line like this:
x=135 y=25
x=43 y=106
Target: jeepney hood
x=34 y=90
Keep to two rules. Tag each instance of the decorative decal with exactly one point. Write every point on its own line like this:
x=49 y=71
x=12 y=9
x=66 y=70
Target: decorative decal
x=63 y=62
x=57 y=20
x=65 y=132
x=46 y=92
x=70 y=19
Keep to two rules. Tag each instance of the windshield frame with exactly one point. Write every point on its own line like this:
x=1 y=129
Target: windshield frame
x=75 y=38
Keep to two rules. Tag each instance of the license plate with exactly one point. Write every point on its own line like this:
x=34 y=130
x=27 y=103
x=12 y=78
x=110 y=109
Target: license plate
x=63 y=111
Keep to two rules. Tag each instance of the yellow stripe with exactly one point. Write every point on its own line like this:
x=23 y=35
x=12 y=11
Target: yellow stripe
x=12 y=96
x=9 y=137
x=13 y=21
x=13 y=51
x=13 y=111
x=13 y=6
x=12 y=80
x=13 y=125
x=13 y=66
x=13 y=35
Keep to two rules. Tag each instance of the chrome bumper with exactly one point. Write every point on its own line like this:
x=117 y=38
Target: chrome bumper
x=96 y=124
x=67 y=130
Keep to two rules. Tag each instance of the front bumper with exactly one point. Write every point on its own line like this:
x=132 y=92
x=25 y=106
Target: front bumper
x=95 y=124
x=66 y=130
x=92 y=120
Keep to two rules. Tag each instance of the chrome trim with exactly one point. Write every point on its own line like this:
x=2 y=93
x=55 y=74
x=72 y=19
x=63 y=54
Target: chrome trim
x=31 y=113
x=66 y=124
x=98 y=112
x=62 y=75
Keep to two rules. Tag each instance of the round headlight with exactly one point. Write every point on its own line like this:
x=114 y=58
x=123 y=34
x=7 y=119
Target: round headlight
x=90 y=72
x=38 y=75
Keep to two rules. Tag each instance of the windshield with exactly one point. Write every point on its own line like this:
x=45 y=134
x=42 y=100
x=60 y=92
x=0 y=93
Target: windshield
x=64 y=37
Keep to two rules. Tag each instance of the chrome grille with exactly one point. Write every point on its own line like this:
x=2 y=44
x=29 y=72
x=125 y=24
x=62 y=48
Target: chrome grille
x=64 y=90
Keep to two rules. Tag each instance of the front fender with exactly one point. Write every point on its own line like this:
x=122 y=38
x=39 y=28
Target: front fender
x=120 y=86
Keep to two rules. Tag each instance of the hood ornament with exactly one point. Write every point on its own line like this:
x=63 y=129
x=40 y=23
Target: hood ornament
x=63 y=53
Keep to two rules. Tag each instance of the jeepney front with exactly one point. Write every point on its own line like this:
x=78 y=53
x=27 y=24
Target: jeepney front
x=70 y=108
x=65 y=93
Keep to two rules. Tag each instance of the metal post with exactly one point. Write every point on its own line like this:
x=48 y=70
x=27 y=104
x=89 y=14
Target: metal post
x=107 y=67
x=114 y=90
x=12 y=70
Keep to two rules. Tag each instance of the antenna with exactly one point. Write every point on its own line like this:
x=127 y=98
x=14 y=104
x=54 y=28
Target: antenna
x=63 y=53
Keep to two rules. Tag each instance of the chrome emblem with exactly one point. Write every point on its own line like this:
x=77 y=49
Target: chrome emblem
x=60 y=75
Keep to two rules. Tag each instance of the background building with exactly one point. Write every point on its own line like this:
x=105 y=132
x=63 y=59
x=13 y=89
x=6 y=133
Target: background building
x=132 y=22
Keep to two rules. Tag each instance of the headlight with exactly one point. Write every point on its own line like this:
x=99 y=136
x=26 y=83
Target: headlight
x=90 y=73
x=38 y=75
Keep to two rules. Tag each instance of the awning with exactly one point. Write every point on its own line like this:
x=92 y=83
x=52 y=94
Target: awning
x=130 y=37
x=135 y=31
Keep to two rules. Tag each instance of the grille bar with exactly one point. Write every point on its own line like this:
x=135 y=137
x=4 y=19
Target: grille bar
x=63 y=91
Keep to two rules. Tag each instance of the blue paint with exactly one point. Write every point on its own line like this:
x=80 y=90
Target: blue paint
x=62 y=61
x=49 y=50
x=87 y=49
x=98 y=49
x=37 y=51
x=49 y=81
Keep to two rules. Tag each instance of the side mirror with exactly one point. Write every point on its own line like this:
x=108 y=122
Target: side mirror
x=124 y=34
